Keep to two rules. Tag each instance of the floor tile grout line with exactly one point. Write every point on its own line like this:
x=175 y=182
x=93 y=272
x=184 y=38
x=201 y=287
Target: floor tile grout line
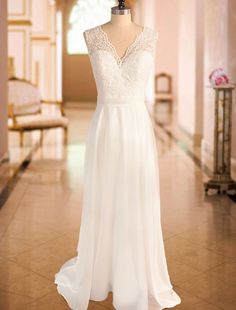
x=14 y=179
x=14 y=293
x=208 y=249
x=13 y=214
x=38 y=299
x=32 y=272
x=38 y=245
x=203 y=272
x=23 y=295
x=200 y=298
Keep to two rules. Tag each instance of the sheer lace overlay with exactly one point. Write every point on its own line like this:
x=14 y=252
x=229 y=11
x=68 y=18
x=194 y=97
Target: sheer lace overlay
x=97 y=39
x=121 y=76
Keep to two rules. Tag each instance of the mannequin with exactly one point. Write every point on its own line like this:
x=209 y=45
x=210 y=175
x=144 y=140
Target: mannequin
x=121 y=30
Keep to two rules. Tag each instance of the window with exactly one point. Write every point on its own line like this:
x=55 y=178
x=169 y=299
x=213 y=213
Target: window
x=86 y=14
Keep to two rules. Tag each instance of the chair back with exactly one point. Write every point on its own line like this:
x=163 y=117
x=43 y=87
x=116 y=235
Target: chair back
x=163 y=83
x=24 y=96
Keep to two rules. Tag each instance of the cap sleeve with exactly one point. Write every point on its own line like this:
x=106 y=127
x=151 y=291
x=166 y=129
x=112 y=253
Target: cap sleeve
x=87 y=39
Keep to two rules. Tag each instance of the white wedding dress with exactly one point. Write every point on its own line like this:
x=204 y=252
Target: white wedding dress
x=120 y=246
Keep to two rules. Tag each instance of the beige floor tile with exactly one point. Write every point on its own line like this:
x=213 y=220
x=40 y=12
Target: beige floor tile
x=46 y=259
x=212 y=233
x=54 y=219
x=32 y=233
x=226 y=247
x=10 y=272
x=191 y=302
x=193 y=254
x=167 y=234
x=179 y=247
x=32 y=285
x=10 y=301
x=201 y=305
x=180 y=272
x=50 y=301
x=225 y=272
x=204 y=259
x=5 y=220
x=12 y=246
x=225 y=299
x=39 y=227
x=16 y=195
x=203 y=286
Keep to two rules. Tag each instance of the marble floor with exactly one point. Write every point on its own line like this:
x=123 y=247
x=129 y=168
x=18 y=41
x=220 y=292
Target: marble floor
x=40 y=221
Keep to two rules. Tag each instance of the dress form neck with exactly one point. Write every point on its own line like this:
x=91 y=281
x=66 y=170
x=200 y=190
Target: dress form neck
x=121 y=20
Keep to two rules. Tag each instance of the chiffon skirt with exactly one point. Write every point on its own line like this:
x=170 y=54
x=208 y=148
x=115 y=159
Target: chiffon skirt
x=120 y=247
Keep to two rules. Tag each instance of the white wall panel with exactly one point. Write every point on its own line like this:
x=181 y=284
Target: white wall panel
x=41 y=55
x=32 y=42
x=19 y=9
x=19 y=49
x=41 y=18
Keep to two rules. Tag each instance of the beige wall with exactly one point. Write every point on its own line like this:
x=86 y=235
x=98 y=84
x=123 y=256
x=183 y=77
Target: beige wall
x=190 y=68
x=220 y=51
x=187 y=58
x=78 y=80
x=203 y=33
x=232 y=65
x=166 y=23
x=215 y=56
x=220 y=48
x=3 y=80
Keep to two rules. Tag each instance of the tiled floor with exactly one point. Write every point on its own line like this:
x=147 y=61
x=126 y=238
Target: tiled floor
x=42 y=218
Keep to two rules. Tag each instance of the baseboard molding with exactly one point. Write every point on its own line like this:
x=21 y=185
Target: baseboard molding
x=196 y=139
x=5 y=157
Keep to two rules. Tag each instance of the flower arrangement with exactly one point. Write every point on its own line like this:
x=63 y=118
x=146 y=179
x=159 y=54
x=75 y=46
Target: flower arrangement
x=218 y=77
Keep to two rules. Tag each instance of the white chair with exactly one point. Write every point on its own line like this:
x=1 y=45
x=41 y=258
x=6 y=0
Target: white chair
x=163 y=90
x=25 y=110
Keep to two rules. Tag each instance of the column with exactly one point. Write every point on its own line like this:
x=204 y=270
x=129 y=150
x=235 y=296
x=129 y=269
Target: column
x=3 y=81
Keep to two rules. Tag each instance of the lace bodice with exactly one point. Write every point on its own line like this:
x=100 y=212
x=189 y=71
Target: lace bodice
x=127 y=75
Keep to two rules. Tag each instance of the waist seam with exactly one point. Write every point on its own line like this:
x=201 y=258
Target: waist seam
x=125 y=100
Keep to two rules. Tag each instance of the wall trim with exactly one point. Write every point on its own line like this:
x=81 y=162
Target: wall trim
x=195 y=139
x=34 y=38
x=23 y=22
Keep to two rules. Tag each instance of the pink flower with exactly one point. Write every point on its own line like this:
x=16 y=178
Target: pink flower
x=219 y=81
x=218 y=77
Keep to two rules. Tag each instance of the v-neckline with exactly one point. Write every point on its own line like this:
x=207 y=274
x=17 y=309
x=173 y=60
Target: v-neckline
x=120 y=59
